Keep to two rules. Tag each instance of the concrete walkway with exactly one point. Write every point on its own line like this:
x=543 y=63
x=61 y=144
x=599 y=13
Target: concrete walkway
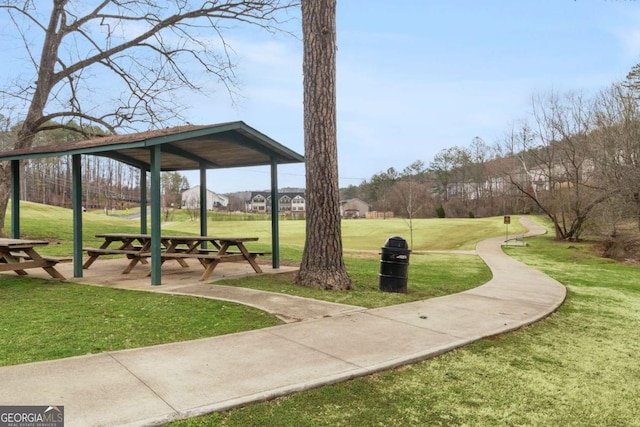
x=153 y=385
x=178 y=280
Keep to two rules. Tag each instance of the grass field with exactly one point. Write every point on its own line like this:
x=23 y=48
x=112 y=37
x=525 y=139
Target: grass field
x=47 y=222
x=80 y=319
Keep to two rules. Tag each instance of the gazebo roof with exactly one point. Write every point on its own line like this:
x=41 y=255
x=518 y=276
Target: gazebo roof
x=223 y=145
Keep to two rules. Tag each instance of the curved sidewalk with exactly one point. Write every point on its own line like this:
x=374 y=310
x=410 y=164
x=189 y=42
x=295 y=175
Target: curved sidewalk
x=153 y=385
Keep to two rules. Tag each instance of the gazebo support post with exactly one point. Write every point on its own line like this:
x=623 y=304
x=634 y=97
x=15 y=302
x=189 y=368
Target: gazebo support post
x=275 y=233
x=143 y=201
x=203 y=203
x=156 y=259
x=15 y=199
x=76 y=194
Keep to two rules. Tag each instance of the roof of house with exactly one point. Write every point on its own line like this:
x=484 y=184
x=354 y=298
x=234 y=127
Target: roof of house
x=196 y=190
x=353 y=200
x=223 y=145
x=267 y=195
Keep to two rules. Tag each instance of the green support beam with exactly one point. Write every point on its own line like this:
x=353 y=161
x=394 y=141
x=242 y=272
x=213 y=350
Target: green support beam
x=275 y=231
x=156 y=259
x=15 y=199
x=187 y=155
x=76 y=194
x=203 y=203
x=143 y=201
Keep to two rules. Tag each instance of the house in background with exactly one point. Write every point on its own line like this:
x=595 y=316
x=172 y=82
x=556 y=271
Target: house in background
x=259 y=202
x=191 y=199
x=289 y=203
x=353 y=208
x=294 y=204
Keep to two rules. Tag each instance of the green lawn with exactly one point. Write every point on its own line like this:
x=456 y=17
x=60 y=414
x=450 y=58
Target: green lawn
x=371 y=234
x=55 y=224
x=577 y=368
x=430 y=275
x=43 y=320
x=81 y=319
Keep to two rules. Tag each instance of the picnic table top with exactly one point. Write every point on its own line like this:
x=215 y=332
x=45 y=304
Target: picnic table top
x=178 y=237
x=15 y=243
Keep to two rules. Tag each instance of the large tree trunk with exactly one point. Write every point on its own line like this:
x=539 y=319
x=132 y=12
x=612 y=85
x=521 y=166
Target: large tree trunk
x=322 y=262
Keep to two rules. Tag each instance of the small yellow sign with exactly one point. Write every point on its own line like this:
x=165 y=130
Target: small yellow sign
x=507 y=219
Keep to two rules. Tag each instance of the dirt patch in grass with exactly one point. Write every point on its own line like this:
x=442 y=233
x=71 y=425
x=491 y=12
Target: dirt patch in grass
x=622 y=248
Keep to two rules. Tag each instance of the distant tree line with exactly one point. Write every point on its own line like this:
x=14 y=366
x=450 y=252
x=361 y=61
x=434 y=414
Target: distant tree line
x=458 y=182
x=575 y=159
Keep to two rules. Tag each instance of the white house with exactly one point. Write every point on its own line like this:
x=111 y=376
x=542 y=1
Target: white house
x=191 y=199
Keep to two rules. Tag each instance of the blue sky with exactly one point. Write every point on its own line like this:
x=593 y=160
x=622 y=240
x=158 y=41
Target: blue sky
x=418 y=76
x=427 y=75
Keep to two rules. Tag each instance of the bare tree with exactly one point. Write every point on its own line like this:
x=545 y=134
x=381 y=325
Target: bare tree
x=173 y=185
x=442 y=167
x=413 y=193
x=557 y=171
x=483 y=189
x=322 y=264
x=138 y=51
x=380 y=186
x=616 y=150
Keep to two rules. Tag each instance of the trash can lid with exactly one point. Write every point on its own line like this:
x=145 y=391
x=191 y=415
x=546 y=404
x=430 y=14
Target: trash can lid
x=396 y=242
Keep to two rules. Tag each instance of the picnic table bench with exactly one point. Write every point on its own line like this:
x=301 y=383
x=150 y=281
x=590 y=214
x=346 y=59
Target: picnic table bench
x=136 y=247
x=19 y=255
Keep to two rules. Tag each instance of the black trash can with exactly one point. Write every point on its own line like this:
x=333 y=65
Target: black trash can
x=394 y=265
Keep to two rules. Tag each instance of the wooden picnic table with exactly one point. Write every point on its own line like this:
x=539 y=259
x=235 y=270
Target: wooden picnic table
x=137 y=247
x=19 y=255
x=127 y=244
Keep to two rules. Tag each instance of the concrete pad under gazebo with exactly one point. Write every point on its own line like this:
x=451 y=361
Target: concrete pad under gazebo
x=203 y=147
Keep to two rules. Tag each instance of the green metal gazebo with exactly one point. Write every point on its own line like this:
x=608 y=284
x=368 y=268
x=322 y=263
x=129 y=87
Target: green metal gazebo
x=193 y=147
